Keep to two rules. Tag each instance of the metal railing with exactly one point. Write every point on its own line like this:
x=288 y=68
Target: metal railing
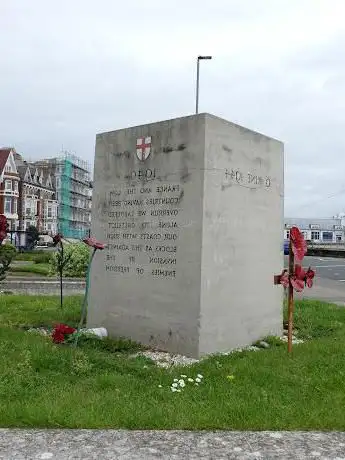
x=328 y=245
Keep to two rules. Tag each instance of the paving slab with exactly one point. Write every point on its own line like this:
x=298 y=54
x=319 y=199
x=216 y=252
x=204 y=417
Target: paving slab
x=132 y=445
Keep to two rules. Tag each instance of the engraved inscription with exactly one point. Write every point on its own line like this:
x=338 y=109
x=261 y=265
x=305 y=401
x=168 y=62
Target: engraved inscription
x=248 y=179
x=143 y=230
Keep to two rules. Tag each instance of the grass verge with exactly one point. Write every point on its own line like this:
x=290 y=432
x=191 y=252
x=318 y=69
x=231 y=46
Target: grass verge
x=39 y=311
x=37 y=257
x=100 y=386
x=34 y=268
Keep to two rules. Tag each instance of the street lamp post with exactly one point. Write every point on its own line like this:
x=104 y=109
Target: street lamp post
x=197 y=80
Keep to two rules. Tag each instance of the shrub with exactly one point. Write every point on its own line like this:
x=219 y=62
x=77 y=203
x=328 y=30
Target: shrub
x=76 y=266
x=42 y=258
x=7 y=254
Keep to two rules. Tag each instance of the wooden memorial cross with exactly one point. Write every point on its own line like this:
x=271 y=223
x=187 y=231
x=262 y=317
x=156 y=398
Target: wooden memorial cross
x=295 y=277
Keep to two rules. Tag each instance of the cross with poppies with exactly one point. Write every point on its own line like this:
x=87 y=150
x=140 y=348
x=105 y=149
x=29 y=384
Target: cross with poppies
x=295 y=277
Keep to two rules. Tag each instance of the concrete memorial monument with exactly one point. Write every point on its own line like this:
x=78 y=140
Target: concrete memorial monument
x=191 y=210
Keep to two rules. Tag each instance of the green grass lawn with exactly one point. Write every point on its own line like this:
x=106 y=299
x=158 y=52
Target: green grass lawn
x=35 y=256
x=30 y=269
x=100 y=386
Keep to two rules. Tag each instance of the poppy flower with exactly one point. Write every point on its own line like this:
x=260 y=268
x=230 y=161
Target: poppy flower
x=298 y=244
x=298 y=278
x=302 y=278
x=310 y=274
x=59 y=332
x=284 y=278
x=93 y=243
x=57 y=239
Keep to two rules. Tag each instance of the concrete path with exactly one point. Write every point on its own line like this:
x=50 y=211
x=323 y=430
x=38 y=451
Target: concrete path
x=36 y=285
x=146 y=445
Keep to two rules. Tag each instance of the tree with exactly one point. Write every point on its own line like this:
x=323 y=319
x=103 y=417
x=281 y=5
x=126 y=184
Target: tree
x=7 y=254
x=32 y=236
x=7 y=251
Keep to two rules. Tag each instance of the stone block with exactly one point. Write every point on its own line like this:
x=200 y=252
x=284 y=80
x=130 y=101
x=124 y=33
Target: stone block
x=191 y=210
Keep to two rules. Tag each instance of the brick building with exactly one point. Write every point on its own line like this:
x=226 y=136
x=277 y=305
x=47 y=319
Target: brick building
x=50 y=194
x=37 y=198
x=9 y=186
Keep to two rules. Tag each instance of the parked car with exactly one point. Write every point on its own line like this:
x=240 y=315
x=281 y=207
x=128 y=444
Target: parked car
x=286 y=247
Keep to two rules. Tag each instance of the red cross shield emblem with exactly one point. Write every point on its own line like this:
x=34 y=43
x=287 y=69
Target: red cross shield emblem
x=143 y=148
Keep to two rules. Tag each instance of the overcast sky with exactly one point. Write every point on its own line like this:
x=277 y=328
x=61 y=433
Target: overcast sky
x=72 y=68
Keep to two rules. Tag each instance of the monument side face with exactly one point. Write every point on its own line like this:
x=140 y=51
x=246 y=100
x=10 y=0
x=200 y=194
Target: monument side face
x=242 y=237
x=147 y=208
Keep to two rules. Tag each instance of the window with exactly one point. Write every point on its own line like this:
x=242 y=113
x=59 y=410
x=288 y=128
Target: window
x=8 y=168
x=15 y=206
x=8 y=185
x=29 y=207
x=15 y=186
x=315 y=236
x=339 y=238
x=49 y=211
x=327 y=236
x=8 y=205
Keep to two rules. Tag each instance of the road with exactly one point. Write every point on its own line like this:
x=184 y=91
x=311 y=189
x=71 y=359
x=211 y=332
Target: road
x=333 y=269
x=329 y=283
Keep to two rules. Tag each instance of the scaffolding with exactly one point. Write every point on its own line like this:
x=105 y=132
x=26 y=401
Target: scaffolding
x=72 y=187
x=74 y=160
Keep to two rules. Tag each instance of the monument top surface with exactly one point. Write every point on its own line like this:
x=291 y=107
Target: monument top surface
x=204 y=115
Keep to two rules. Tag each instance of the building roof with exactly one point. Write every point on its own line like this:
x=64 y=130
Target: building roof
x=4 y=154
x=22 y=170
x=304 y=223
x=18 y=158
x=23 y=166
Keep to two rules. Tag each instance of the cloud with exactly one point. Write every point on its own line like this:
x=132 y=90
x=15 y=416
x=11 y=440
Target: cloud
x=72 y=69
